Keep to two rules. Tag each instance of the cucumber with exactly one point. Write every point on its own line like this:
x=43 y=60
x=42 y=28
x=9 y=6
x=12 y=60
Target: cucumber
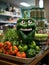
x=41 y=35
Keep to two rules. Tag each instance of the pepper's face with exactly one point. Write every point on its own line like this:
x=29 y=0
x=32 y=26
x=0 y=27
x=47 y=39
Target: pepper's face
x=26 y=30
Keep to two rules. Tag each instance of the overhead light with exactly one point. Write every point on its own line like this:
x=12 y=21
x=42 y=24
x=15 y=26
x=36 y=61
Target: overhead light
x=25 y=4
x=41 y=3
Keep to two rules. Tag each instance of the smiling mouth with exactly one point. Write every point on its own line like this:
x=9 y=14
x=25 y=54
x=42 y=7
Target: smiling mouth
x=30 y=29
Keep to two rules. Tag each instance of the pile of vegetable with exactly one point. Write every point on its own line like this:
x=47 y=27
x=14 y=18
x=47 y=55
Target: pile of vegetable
x=20 y=42
x=21 y=50
x=12 y=46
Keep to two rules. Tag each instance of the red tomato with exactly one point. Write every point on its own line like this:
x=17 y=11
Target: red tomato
x=7 y=45
x=13 y=50
x=1 y=44
x=21 y=54
x=18 y=54
x=5 y=52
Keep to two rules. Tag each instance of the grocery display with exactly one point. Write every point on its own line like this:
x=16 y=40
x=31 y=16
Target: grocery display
x=9 y=17
x=20 y=43
x=23 y=36
x=21 y=40
x=37 y=13
x=10 y=42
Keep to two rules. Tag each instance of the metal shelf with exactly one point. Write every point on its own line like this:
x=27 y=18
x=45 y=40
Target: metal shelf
x=3 y=14
x=8 y=22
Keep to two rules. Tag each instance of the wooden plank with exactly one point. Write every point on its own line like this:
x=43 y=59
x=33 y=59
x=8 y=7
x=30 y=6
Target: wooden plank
x=39 y=58
x=34 y=62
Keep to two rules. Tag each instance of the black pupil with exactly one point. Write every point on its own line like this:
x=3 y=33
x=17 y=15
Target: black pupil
x=23 y=21
x=30 y=21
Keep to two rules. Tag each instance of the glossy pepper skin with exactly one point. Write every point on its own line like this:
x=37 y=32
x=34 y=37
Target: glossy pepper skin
x=22 y=47
x=31 y=53
x=26 y=30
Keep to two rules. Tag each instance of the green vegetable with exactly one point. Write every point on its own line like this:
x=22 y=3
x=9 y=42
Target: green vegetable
x=22 y=47
x=32 y=45
x=15 y=43
x=31 y=53
x=10 y=35
x=41 y=35
x=37 y=49
x=1 y=38
x=26 y=30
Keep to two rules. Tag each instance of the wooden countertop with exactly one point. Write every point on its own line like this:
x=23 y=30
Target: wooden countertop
x=34 y=62
x=39 y=58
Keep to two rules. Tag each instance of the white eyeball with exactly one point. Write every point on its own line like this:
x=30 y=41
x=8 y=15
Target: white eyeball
x=22 y=22
x=29 y=21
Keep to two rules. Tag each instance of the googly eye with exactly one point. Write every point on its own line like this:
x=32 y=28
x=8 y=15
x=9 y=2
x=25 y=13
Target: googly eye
x=29 y=22
x=22 y=22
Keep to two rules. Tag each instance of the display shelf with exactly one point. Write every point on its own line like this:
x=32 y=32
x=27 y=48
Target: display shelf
x=3 y=14
x=8 y=22
x=40 y=58
x=37 y=13
x=34 y=62
x=37 y=8
x=10 y=15
x=17 y=59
